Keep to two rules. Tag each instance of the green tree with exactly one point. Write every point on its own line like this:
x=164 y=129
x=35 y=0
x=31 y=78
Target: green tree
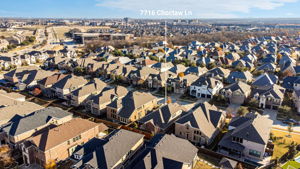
x=290 y=128
x=242 y=111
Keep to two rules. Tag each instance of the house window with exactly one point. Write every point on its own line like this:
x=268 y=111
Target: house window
x=237 y=139
x=76 y=138
x=254 y=153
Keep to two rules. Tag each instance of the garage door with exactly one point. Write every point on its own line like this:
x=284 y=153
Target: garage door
x=203 y=95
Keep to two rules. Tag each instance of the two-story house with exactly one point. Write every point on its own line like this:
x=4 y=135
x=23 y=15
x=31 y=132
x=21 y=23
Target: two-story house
x=58 y=143
x=111 y=152
x=201 y=125
x=159 y=121
x=247 y=138
x=237 y=92
x=205 y=87
x=132 y=107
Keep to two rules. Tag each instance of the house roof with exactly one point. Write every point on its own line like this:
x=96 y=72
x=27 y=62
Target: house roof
x=205 y=118
x=208 y=81
x=161 y=153
x=128 y=104
x=96 y=85
x=275 y=91
x=289 y=81
x=50 y=138
x=109 y=95
x=256 y=130
x=107 y=152
x=34 y=120
x=239 y=75
x=69 y=82
x=265 y=80
x=242 y=86
x=52 y=79
x=196 y=70
x=164 y=116
x=227 y=163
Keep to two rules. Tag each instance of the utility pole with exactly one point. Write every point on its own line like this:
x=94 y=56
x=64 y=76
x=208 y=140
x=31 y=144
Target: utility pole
x=166 y=84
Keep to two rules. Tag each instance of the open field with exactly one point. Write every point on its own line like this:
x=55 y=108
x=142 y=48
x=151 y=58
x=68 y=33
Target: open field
x=282 y=142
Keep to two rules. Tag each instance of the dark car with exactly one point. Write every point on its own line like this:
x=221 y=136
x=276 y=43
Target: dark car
x=291 y=121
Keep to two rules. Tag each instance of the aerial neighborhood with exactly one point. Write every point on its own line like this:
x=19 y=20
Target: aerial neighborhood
x=66 y=102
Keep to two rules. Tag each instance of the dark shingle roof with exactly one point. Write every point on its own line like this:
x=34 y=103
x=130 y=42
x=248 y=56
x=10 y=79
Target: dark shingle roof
x=107 y=152
x=161 y=153
x=34 y=120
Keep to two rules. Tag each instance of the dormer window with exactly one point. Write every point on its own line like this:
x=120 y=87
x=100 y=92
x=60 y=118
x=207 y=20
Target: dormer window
x=237 y=139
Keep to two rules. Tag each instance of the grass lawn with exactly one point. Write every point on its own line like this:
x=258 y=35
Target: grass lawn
x=61 y=30
x=291 y=165
x=202 y=165
x=282 y=142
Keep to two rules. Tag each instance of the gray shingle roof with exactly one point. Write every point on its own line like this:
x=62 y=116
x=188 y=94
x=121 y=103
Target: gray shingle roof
x=34 y=120
x=164 y=116
x=107 y=152
x=162 y=153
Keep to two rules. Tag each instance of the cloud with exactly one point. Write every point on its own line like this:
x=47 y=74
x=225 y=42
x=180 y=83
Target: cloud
x=199 y=8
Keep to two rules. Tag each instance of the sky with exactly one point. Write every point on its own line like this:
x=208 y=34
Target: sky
x=150 y=8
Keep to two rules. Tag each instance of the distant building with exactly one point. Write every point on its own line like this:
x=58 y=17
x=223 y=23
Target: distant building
x=83 y=37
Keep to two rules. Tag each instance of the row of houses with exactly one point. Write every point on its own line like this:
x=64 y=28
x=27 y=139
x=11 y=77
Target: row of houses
x=51 y=135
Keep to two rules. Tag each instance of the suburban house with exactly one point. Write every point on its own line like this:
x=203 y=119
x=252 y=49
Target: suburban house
x=110 y=152
x=58 y=143
x=237 y=92
x=159 y=80
x=26 y=77
x=80 y=95
x=239 y=76
x=269 y=98
x=247 y=138
x=205 y=87
x=218 y=71
x=296 y=99
x=165 y=151
x=159 y=121
x=267 y=68
x=65 y=86
x=132 y=107
x=198 y=71
x=139 y=76
x=181 y=84
x=264 y=81
x=14 y=105
x=162 y=66
x=97 y=103
x=201 y=125
x=21 y=128
x=46 y=83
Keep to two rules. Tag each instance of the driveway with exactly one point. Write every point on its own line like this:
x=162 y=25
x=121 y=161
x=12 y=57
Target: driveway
x=272 y=114
x=233 y=108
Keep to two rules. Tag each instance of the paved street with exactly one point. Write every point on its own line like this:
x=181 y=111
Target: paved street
x=272 y=114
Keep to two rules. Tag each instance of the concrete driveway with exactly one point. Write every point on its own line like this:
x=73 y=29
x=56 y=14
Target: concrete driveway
x=233 y=108
x=272 y=114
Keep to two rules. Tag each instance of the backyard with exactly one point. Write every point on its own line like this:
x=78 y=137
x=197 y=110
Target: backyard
x=282 y=142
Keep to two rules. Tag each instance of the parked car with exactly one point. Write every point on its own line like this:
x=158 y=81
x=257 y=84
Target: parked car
x=293 y=121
